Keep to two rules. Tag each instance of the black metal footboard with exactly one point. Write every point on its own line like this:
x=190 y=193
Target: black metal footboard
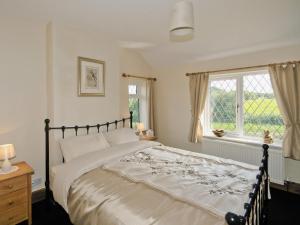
x=256 y=210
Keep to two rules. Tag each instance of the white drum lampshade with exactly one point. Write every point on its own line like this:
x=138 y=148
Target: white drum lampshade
x=182 y=19
x=7 y=152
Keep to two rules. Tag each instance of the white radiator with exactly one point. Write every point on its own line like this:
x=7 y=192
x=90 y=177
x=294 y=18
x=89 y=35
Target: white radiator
x=251 y=154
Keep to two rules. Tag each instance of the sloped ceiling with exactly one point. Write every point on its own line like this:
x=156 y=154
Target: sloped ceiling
x=223 y=27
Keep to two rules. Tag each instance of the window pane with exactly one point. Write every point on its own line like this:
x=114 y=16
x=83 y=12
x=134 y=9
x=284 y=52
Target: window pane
x=134 y=106
x=223 y=104
x=132 y=89
x=260 y=108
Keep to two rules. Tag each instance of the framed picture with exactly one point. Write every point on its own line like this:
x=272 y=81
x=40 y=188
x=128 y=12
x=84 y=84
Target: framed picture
x=91 y=74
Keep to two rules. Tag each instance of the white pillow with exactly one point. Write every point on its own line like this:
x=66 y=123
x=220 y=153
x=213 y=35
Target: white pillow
x=76 y=146
x=121 y=136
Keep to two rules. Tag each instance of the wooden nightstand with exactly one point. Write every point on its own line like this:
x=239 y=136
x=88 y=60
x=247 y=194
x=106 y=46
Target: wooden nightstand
x=148 y=138
x=15 y=195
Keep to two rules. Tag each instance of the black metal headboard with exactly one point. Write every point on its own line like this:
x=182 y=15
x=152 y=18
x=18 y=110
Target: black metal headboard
x=75 y=128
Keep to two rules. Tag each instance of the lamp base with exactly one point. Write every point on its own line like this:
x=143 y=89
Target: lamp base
x=13 y=169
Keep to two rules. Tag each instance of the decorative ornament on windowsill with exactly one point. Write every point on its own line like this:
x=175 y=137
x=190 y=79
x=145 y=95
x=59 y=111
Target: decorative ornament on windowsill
x=267 y=137
x=219 y=132
x=149 y=133
x=7 y=152
x=140 y=128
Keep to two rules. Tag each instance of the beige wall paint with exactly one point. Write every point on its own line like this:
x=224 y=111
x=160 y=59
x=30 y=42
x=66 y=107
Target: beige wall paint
x=38 y=80
x=173 y=103
x=66 y=44
x=23 y=90
x=36 y=83
x=68 y=107
x=131 y=62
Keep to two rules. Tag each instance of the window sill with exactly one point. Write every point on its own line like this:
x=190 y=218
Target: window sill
x=238 y=140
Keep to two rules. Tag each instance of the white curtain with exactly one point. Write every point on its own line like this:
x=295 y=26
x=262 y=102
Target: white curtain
x=286 y=84
x=150 y=103
x=198 y=92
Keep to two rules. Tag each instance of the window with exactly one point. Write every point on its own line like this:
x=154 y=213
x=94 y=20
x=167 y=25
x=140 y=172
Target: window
x=243 y=105
x=137 y=101
x=134 y=103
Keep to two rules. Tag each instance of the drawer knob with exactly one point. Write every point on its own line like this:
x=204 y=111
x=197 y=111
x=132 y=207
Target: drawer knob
x=11 y=202
x=10 y=186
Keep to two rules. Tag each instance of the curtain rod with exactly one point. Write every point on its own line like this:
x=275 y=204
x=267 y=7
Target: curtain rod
x=242 y=68
x=140 y=77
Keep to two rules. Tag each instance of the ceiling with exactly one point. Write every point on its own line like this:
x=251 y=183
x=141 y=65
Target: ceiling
x=222 y=27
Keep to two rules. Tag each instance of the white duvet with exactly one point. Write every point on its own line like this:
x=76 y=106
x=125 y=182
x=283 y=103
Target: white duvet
x=209 y=183
x=65 y=174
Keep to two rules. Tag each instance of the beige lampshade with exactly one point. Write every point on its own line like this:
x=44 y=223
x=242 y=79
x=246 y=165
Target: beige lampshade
x=140 y=126
x=182 y=19
x=7 y=151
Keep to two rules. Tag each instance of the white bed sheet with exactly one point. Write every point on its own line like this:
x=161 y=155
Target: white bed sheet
x=109 y=160
x=63 y=175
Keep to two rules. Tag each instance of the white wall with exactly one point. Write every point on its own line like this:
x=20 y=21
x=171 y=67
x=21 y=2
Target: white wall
x=68 y=107
x=66 y=44
x=38 y=80
x=173 y=103
x=133 y=63
x=36 y=83
x=23 y=89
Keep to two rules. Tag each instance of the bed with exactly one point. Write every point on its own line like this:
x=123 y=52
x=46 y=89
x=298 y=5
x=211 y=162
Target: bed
x=145 y=182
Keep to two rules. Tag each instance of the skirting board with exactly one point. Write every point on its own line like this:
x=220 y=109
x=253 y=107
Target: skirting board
x=288 y=187
x=38 y=195
x=293 y=187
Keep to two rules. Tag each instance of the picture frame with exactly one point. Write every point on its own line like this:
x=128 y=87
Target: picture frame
x=91 y=77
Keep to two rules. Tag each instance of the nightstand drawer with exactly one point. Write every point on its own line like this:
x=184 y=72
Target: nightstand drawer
x=12 y=185
x=13 y=199
x=14 y=215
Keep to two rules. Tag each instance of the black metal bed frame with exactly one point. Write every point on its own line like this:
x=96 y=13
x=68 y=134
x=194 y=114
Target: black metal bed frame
x=255 y=210
x=49 y=197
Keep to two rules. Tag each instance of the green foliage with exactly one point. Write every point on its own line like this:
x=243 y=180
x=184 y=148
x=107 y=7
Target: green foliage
x=135 y=108
x=250 y=129
x=266 y=106
x=260 y=112
x=224 y=105
x=248 y=95
x=225 y=126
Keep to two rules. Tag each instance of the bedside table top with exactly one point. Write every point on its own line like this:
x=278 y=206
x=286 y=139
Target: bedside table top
x=24 y=168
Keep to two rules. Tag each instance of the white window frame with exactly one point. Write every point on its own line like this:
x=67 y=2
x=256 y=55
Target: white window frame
x=237 y=135
x=138 y=94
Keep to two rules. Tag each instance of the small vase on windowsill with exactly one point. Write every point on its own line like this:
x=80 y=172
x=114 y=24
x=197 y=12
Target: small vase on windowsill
x=219 y=132
x=267 y=137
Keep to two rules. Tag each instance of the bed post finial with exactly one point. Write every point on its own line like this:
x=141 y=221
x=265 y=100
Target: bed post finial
x=234 y=219
x=131 y=117
x=47 y=185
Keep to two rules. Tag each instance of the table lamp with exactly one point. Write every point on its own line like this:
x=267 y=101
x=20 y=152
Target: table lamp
x=140 y=128
x=7 y=152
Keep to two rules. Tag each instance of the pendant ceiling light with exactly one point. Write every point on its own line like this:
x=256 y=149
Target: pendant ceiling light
x=182 y=20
